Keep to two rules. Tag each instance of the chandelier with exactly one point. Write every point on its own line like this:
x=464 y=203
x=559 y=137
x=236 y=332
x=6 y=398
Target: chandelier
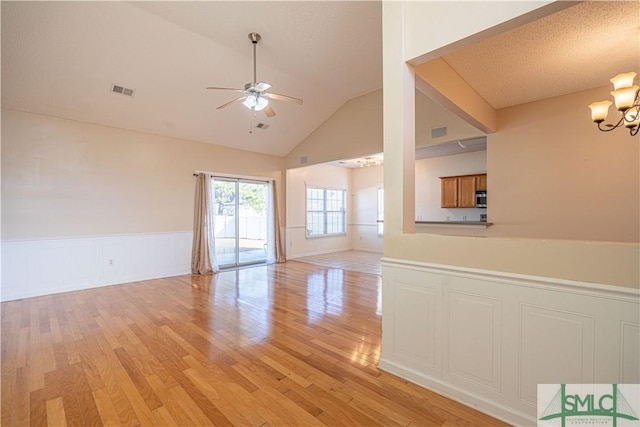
x=368 y=162
x=627 y=100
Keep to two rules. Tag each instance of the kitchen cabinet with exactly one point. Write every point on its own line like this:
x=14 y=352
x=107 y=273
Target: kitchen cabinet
x=460 y=191
x=449 y=192
x=481 y=182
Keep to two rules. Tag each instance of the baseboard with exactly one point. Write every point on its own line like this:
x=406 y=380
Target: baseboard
x=314 y=253
x=477 y=402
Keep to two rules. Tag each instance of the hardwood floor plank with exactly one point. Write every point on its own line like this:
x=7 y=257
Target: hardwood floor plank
x=171 y=407
x=20 y=413
x=38 y=408
x=332 y=404
x=293 y=376
x=55 y=413
x=107 y=365
x=106 y=408
x=213 y=393
x=8 y=393
x=193 y=411
x=89 y=415
x=23 y=348
x=54 y=327
x=139 y=380
x=164 y=417
x=282 y=345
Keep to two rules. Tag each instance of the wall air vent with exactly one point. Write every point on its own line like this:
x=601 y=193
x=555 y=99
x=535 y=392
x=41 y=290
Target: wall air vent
x=438 y=132
x=122 y=90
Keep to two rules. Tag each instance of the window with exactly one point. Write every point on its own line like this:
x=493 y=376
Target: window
x=380 y=211
x=326 y=211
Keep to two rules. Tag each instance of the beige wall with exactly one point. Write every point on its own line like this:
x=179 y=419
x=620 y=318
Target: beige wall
x=430 y=114
x=554 y=175
x=62 y=178
x=355 y=130
x=325 y=176
x=615 y=263
x=365 y=183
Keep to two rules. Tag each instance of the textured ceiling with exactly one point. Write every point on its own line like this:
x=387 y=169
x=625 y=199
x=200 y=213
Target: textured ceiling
x=577 y=48
x=61 y=58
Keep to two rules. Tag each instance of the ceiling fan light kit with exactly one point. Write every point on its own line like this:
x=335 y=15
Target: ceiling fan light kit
x=256 y=97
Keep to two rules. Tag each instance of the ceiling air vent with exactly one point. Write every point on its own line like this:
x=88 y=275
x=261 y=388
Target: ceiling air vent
x=262 y=126
x=122 y=90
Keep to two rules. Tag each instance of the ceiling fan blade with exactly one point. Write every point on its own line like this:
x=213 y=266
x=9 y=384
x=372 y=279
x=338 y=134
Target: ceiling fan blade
x=268 y=110
x=262 y=86
x=230 y=102
x=283 y=98
x=225 y=88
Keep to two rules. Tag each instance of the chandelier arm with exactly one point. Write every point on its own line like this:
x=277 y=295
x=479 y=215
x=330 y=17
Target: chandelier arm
x=611 y=127
x=631 y=118
x=634 y=131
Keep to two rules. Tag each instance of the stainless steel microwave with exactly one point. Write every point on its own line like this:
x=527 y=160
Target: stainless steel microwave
x=481 y=199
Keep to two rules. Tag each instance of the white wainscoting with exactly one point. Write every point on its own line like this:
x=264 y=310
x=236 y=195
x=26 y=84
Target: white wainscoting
x=488 y=338
x=40 y=267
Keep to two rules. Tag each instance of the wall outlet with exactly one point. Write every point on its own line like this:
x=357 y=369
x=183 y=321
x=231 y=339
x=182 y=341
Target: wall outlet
x=110 y=263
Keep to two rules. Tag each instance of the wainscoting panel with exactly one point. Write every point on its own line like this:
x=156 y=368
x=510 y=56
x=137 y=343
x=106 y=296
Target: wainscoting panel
x=556 y=346
x=474 y=339
x=414 y=309
x=629 y=352
x=40 y=267
x=412 y=318
x=488 y=338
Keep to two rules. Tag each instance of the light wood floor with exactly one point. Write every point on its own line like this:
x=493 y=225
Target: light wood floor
x=288 y=344
x=364 y=262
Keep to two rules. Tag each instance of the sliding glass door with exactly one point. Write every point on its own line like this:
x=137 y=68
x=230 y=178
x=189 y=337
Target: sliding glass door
x=241 y=221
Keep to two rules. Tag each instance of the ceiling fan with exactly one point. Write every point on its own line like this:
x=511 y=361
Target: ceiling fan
x=256 y=97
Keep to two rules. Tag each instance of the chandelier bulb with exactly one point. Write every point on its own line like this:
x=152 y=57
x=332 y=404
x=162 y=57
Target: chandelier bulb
x=623 y=80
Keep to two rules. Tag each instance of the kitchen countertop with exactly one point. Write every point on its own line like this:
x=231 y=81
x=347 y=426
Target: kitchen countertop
x=455 y=223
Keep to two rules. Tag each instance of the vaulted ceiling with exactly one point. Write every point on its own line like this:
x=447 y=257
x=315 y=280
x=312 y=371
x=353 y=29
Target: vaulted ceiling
x=62 y=58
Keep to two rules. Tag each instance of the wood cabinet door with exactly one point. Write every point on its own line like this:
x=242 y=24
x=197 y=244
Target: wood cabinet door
x=467 y=191
x=481 y=183
x=449 y=192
